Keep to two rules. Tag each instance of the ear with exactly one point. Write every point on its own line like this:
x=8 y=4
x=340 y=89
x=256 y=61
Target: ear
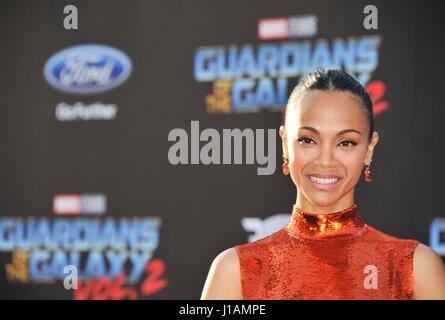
x=372 y=144
x=284 y=141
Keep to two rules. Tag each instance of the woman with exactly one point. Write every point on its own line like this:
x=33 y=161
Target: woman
x=327 y=251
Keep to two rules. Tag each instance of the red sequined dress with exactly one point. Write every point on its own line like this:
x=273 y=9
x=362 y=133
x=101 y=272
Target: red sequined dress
x=333 y=256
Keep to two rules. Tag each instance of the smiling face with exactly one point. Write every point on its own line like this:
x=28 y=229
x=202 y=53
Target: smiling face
x=326 y=143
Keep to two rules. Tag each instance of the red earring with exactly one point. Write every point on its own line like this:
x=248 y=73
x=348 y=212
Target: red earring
x=285 y=166
x=368 y=176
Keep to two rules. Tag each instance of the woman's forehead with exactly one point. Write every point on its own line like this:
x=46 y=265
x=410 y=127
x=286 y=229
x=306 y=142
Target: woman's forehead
x=325 y=109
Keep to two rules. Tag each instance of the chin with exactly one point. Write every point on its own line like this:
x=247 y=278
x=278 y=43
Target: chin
x=322 y=199
x=322 y=202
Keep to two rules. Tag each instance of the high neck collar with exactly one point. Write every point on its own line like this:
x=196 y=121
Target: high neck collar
x=308 y=225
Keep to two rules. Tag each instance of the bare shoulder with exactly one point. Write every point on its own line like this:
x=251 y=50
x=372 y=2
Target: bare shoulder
x=223 y=280
x=429 y=274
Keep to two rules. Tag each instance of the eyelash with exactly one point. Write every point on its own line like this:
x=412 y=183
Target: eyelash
x=349 y=141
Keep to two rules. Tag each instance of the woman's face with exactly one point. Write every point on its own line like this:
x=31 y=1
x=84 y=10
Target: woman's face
x=326 y=143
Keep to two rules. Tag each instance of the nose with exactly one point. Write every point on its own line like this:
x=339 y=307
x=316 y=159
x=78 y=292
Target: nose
x=325 y=157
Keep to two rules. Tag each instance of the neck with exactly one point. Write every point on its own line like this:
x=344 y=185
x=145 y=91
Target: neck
x=307 y=206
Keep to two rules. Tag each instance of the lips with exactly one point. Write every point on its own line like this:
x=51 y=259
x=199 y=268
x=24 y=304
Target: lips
x=323 y=181
x=324 y=175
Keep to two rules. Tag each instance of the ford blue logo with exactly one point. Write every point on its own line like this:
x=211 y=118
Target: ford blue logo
x=88 y=68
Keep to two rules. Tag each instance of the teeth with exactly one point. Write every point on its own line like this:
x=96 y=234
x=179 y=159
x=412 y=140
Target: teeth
x=323 y=180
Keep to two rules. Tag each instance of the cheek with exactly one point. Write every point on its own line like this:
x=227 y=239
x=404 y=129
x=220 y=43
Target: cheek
x=299 y=158
x=353 y=165
x=353 y=162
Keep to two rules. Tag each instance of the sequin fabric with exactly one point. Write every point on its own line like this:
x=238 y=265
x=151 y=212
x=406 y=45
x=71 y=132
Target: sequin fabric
x=327 y=256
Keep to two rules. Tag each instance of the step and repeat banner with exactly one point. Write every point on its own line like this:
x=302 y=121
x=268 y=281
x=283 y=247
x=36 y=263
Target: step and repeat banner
x=107 y=174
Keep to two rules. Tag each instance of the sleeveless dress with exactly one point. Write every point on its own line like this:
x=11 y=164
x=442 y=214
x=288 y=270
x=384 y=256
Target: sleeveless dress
x=327 y=256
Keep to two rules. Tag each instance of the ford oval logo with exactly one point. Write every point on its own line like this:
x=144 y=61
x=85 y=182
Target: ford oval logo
x=88 y=68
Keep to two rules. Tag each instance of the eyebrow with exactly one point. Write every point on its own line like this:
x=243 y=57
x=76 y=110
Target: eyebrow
x=339 y=133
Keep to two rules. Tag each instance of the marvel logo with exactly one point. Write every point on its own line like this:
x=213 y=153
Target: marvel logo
x=273 y=28
x=279 y=28
x=75 y=204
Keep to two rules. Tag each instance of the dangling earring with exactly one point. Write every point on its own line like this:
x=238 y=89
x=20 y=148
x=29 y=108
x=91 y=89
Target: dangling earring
x=368 y=176
x=285 y=166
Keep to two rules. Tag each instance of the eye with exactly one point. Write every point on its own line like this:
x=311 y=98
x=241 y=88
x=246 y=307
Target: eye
x=348 y=143
x=305 y=140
